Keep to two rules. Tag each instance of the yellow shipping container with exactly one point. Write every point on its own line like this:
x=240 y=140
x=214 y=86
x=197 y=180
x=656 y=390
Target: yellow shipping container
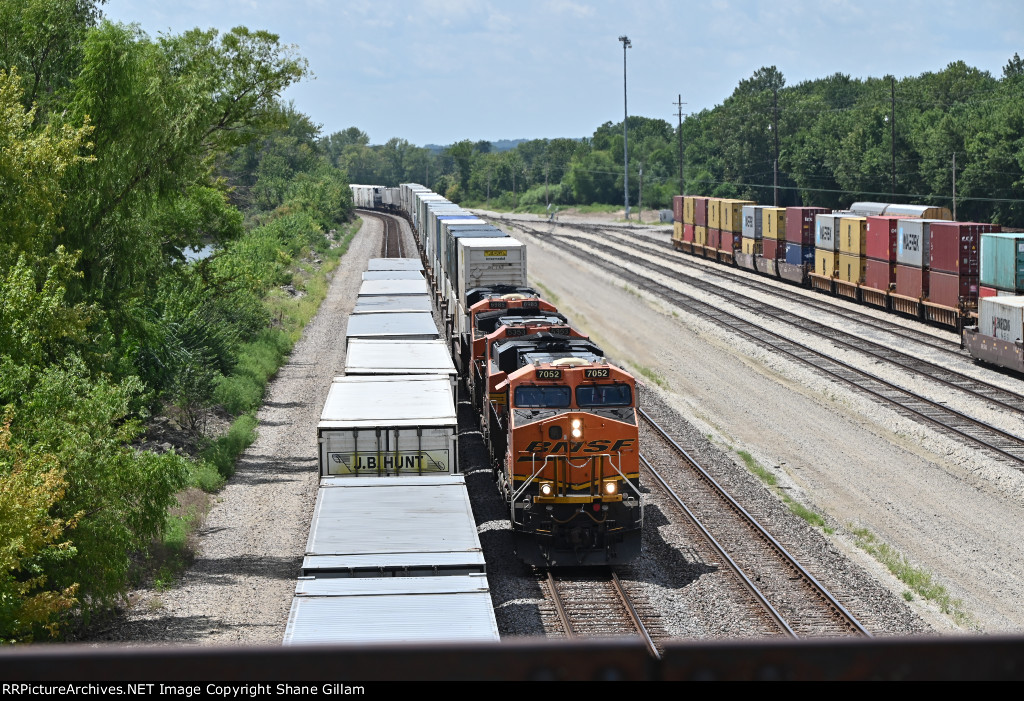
x=751 y=246
x=773 y=223
x=852 y=267
x=688 y=210
x=700 y=235
x=825 y=262
x=853 y=235
x=677 y=231
x=714 y=213
x=732 y=215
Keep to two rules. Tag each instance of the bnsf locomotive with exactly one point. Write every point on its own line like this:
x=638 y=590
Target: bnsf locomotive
x=559 y=420
x=561 y=424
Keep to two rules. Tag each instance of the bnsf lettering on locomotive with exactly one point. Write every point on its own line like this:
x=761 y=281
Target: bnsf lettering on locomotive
x=594 y=446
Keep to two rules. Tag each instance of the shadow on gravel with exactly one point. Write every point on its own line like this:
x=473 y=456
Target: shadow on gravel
x=223 y=570
x=285 y=405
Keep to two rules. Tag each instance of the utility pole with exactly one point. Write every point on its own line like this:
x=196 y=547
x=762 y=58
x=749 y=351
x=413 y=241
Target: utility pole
x=775 y=130
x=892 y=130
x=546 y=203
x=679 y=104
x=488 y=187
x=640 y=216
x=954 y=186
x=626 y=43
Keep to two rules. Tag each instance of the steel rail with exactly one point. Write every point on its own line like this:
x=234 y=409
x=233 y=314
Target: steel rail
x=747 y=583
x=563 y=616
x=641 y=628
x=831 y=601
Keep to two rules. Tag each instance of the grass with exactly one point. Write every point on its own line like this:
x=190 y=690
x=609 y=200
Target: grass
x=918 y=581
x=796 y=508
x=651 y=375
x=548 y=294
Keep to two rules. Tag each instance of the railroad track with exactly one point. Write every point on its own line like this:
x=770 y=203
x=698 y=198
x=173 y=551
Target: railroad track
x=595 y=604
x=979 y=389
x=655 y=248
x=1000 y=444
x=391 y=241
x=797 y=604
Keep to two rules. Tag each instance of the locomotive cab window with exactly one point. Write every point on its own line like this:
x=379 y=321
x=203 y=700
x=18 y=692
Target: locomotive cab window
x=552 y=396
x=604 y=395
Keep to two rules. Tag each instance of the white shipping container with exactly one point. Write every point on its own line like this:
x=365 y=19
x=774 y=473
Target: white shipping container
x=376 y=357
x=484 y=263
x=389 y=425
x=1002 y=318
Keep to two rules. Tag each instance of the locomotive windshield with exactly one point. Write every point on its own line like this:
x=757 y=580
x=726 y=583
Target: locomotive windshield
x=604 y=395
x=551 y=396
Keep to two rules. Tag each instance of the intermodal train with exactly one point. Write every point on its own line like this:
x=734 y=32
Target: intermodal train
x=559 y=420
x=907 y=259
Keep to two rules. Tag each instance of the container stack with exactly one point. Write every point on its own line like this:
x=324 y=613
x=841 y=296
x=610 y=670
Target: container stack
x=773 y=232
x=826 y=245
x=880 y=253
x=753 y=228
x=1002 y=265
x=912 y=245
x=700 y=221
x=955 y=263
x=689 y=211
x=714 y=226
x=732 y=224
x=852 y=249
x=800 y=228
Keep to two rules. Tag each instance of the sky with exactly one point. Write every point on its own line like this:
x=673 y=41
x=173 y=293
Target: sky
x=439 y=71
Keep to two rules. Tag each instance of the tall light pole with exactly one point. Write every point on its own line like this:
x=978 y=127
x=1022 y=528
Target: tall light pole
x=626 y=43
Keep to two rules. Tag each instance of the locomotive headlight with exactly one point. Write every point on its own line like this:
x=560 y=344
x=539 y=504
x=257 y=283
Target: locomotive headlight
x=577 y=428
x=611 y=489
x=547 y=489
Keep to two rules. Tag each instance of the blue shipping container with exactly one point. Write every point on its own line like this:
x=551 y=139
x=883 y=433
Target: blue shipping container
x=797 y=254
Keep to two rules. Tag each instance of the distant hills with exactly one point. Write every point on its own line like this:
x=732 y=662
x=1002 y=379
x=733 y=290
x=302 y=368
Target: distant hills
x=496 y=146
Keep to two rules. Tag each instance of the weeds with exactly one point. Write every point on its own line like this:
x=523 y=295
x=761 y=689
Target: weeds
x=548 y=294
x=796 y=508
x=920 y=582
x=651 y=375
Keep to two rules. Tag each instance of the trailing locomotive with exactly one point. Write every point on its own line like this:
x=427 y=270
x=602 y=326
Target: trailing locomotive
x=559 y=420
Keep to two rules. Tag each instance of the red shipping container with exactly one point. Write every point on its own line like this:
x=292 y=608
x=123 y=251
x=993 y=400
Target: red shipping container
x=728 y=241
x=879 y=274
x=800 y=224
x=955 y=246
x=949 y=289
x=911 y=282
x=987 y=292
x=881 y=238
x=677 y=207
x=700 y=211
x=772 y=249
x=688 y=232
x=714 y=238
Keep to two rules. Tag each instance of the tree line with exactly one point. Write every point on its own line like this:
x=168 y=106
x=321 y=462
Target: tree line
x=835 y=140
x=118 y=153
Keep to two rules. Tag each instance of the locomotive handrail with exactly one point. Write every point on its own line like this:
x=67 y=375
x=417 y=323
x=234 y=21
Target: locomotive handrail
x=547 y=458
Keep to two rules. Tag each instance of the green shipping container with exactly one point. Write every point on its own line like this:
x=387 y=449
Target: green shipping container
x=1002 y=261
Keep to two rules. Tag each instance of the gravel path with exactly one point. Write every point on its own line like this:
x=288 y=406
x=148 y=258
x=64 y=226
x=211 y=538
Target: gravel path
x=239 y=589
